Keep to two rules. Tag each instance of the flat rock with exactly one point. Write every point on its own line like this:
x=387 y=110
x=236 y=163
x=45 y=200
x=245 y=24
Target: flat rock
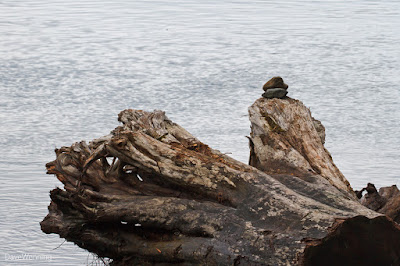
x=275 y=82
x=275 y=93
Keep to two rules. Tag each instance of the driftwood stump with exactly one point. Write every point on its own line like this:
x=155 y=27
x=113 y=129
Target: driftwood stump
x=151 y=193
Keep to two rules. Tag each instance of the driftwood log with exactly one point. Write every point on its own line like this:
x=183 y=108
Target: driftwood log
x=150 y=193
x=385 y=201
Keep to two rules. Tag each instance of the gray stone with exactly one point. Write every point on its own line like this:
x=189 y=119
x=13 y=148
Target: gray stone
x=275 y=93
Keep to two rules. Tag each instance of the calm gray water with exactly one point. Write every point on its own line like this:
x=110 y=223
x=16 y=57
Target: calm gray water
x=68 y=67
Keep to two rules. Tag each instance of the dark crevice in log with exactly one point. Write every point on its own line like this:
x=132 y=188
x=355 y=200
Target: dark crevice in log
x=356 y=241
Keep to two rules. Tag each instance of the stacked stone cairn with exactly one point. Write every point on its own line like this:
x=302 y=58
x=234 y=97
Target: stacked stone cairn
x=275 y=88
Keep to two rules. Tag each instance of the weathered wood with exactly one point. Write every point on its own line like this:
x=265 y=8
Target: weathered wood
x=287 y=139
x=151 y=193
